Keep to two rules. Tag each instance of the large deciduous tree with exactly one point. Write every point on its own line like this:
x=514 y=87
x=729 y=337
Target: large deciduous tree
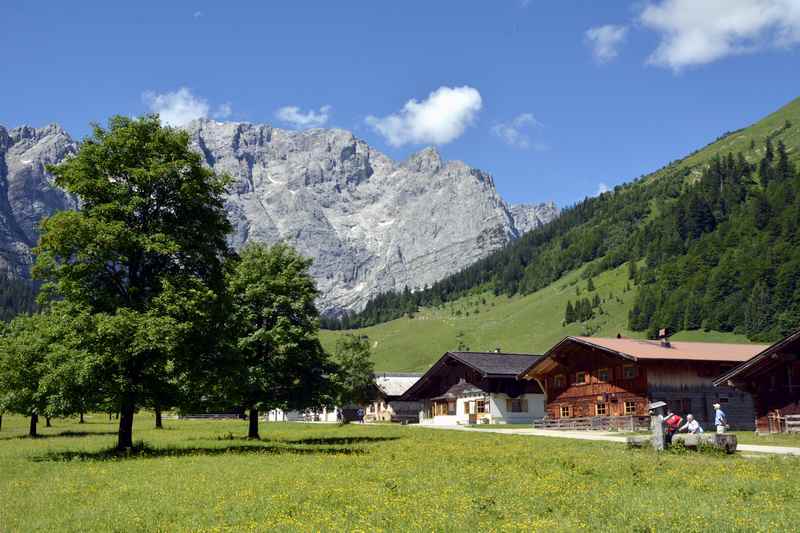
x=279 y=362
x=143 y=255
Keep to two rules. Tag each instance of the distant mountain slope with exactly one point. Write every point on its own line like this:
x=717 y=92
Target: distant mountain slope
x=370 y=224
x=727 y=213
x=531 y=323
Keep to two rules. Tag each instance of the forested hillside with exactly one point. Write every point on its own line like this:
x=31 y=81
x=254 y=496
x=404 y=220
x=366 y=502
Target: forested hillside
x=711 y=241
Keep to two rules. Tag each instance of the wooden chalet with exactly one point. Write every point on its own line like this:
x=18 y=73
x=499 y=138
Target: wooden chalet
x=387 y=405
x=772 y=377
x=600 y=378
x=478 y=388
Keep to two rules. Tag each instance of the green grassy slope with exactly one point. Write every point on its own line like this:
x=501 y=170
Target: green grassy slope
x=772 y=126
x=531 y=323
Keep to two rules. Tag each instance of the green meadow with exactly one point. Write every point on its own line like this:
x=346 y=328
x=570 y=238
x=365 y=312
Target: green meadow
x=202 y=476
x=529 y=324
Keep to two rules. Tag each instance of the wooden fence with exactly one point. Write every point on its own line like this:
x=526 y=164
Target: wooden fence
x=601 y=423
x=783 y=423
x=792 y=423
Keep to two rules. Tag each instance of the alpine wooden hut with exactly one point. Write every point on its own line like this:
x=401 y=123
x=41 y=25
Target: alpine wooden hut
x=599 y=379
x=772 y=377
x=478 y=388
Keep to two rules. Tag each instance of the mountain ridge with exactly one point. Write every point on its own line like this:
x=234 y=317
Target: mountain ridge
x=369 y=222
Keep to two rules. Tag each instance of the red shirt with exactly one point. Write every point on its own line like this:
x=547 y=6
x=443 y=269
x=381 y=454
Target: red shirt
x=673 y=422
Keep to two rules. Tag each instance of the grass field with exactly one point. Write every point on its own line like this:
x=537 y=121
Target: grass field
x=529 y=324
x=201 y=476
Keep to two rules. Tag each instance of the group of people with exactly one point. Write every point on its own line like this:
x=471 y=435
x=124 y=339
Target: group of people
x=674 y=423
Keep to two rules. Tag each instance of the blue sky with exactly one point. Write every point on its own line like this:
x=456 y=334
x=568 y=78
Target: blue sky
x=552 y=98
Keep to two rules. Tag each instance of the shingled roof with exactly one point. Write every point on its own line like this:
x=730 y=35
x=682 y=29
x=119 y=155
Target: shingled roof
x=640 y=349
x=497 y=365
x=760 y=361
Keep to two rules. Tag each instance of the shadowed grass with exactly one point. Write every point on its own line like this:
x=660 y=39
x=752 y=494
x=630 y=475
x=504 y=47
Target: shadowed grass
x=143 y=451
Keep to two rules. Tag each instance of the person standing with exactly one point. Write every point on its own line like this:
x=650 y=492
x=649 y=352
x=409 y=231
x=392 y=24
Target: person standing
x=720 y=420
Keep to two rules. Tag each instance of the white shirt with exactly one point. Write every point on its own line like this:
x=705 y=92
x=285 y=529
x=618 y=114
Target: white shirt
x=693 y=426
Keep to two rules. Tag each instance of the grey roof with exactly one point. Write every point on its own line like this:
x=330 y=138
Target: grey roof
x=496 y=364
x=394 y=384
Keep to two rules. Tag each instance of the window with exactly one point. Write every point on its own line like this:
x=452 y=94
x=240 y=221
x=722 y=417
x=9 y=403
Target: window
x=630 y=408
x=558 y=381
x=516 y=405
x=466 y=408
x=685 y=406
x=580 y=378
x=480 y=406
x=723 y=400
x=600 y=409
x=451 y=407
x=602 y=375
x=565 y=411
x=629 y=371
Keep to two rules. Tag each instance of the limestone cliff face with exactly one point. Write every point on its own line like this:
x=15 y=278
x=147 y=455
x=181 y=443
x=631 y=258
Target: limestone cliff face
x=27 y=192
x=371 y=224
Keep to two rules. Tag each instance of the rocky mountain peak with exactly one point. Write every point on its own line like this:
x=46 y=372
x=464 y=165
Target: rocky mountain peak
x=426 y=161
x=371 y=224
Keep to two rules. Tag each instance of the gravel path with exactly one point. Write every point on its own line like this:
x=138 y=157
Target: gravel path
x=608 y=437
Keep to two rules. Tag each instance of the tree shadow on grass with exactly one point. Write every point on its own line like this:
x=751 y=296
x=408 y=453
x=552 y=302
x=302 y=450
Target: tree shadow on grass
x=142 y=451
x=334 y=441
x=65 y=434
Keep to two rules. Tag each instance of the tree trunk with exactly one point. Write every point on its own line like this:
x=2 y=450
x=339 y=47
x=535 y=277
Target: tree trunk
x=252 y=432
x=159 y=424
x=110 y=416
x=81 y=420
x=125 y=436
x=1 y=422
x=32 y=430
x=47 y=423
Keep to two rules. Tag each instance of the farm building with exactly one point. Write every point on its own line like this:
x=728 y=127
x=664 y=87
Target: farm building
x=387 y=406
x=601 y=382
x=772 y=377
x=477 y=388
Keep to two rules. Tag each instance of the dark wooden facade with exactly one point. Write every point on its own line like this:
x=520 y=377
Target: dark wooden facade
x=583 y=379
x=489 y=372
x=773 y=379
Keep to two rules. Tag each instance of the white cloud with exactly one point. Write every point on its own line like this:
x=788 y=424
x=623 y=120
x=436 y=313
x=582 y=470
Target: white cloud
x=180 y=107
x=602 y=188
x=176 y=108
x=439 y=119
x=696 y=32
x=605 y=41
x=513 y=133
x=312 y=119
x=197 y=14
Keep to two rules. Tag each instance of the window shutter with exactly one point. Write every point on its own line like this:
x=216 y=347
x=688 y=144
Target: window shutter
x=509 y=405
x=524 y=406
